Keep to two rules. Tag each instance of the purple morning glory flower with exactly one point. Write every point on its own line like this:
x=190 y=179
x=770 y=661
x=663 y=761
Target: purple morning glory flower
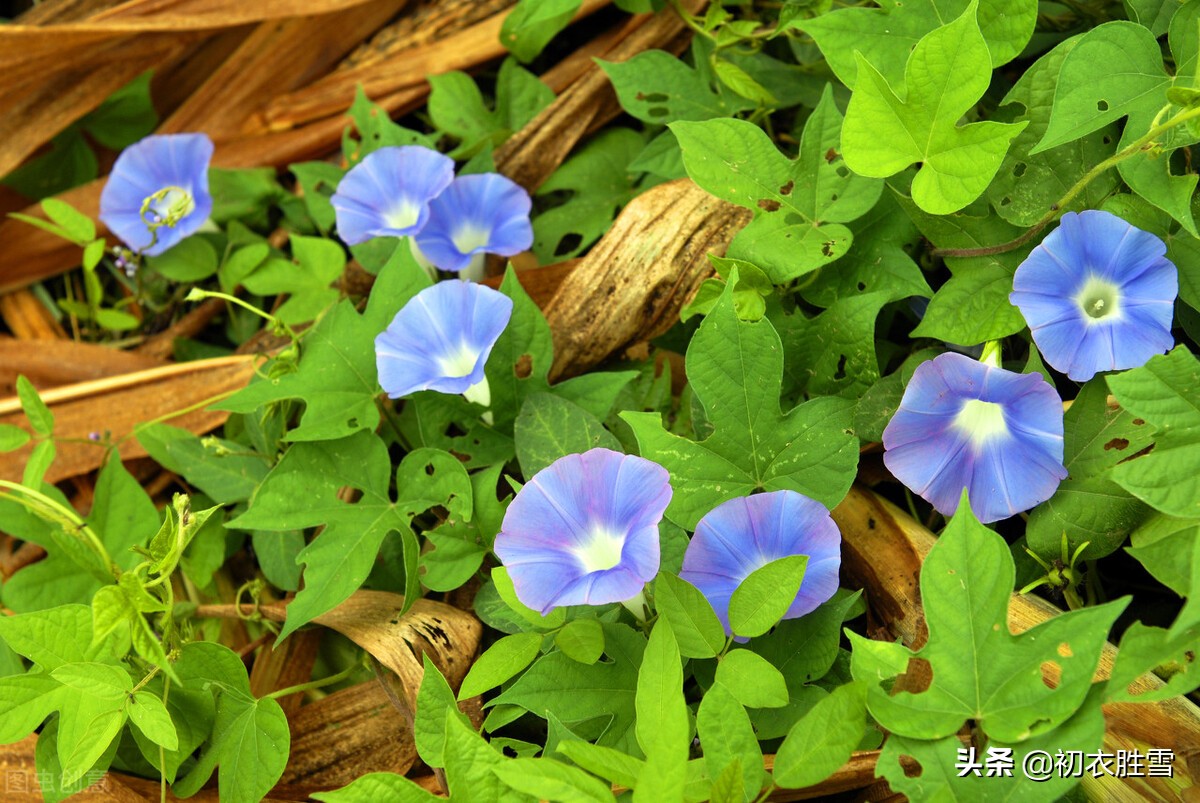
x=478 y=214
x=1098 y=294
x=441 y=339
x=746 y=533
x=584 y=530
x=157 y=193
x=387 y=194
x=964 y=424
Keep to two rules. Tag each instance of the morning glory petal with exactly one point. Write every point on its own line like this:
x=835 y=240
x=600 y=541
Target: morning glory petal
x=157 y=193
x=1082 y=291
x=964 y=424
x=440 y=340
x=387 y=194
x=743 y=534
x=477 y=214
x=584 y=530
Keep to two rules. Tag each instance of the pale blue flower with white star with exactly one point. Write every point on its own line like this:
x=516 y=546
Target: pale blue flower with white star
x=441 y=339
x=157 y=193
x=964 y=424
x=1098 y=295
x=743 y=534
x=584 y=530
x=387 y=194
x=478 y=214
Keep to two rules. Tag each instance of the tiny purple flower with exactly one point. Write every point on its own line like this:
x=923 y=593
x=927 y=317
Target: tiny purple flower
x=964 y=424
x=478 y=214
x=1098 y=294
x=746 y=533
x=584 y=530
x=157 y=193
x=440 y=340
x=387 y=194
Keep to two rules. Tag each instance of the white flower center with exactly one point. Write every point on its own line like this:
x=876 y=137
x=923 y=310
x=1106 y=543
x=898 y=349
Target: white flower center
x=602 y=551
x=458 y=363
x=982 y=421
x=469 y=237
x=403 y=215
x=1099 y=300
x=167 y=207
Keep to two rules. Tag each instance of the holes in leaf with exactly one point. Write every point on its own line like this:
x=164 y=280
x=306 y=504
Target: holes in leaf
x=911 y=767
x=352 y=423
x=1005 y=201
x=768 y=204
x=827 y=248
x=1117 y=443
x=523 y=367
x=653 y=97
x=830 y=155
x=1137 y=422
x=455 y=431
x=862 y=286
x=568 y=244
x=429 y=469
x=658 y=111
x=833 y=197
x=842 y=171
x=1106 y=139
x=1019 y=169
x=786 y=189
x=917 y=677
x=1051 y=673
x=1102 y=105
x=840 y=373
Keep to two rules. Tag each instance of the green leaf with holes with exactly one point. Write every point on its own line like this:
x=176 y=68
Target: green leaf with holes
x=980 y=671
x=302 y=491
x=1027 y=184
x=1115 y=71
x=800 y=204
x=945 y=76
x=656 y=87
x=1163 y=393
x=598 y=181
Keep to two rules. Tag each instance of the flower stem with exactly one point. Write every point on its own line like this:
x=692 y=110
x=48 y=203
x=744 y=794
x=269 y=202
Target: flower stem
x=315 y=684
x=51 y=510
x=1143 y=143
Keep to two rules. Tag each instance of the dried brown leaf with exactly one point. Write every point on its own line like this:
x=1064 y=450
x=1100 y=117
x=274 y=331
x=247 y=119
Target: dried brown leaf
x=641 y=273
x=118 y=404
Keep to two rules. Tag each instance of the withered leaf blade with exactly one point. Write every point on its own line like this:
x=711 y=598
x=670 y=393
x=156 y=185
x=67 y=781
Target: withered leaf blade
x=118 y=404
x=641 y=273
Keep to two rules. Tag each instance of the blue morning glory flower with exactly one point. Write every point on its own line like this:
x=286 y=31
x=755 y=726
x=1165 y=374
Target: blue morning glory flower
x=157 y=192
x=478 y=214
x=387 y=194
x=1098 y=294
x=584 y=530
x=964 y=424
x=745 y=533
x=440 y=340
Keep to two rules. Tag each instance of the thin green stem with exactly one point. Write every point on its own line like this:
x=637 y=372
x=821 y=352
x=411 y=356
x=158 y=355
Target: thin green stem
x=196 y=294
x=315 y=684
x=200 y=405
x=149 y=676
x=51 y=510
x=1143 y=143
